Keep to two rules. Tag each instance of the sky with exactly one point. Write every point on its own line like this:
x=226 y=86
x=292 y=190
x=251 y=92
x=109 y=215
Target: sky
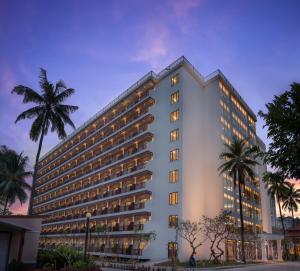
x=100 y=48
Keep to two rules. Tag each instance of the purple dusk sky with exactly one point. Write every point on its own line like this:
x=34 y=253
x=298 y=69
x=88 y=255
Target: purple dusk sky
x=100 y=48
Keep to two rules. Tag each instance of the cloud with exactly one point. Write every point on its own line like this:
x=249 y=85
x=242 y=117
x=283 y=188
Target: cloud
x=154 y=44
x=181 y=11
x=159 y=43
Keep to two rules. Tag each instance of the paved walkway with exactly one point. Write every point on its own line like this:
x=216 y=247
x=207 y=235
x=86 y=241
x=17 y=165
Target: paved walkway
x=287 y=266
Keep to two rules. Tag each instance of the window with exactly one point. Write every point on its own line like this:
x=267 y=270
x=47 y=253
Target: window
x=175 y=97
x=174 y=155
x=174 y=135
x=172 y=250
x=175 y=80
x=174 y=116
x=173 y=198
x=174 y=176
x=173 y=221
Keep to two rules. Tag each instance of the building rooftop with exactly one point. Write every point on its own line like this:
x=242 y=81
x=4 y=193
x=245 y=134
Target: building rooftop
x=156 y=77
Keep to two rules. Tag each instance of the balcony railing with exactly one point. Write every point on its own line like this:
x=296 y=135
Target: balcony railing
x=94 y=169
x=97 y=152
x=107 y=194
x=112 y=177
x=109 y=229
x=107 y=124
x=97 y=213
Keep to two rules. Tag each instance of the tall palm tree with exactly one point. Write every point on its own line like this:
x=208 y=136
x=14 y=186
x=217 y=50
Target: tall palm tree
x=239 y=162
x=13 y=176
x=291 y=199
x=49 y=110
x=277 y=187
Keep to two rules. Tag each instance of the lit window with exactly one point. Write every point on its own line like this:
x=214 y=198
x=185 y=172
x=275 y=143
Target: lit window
x=228 y=202
x=174 y=116
x=175 y=80
x=174 y=155
x=174 y=176
x=173 y=198
x=174 y=135
x=172 y=250
x=175 y=97
x=173 y=221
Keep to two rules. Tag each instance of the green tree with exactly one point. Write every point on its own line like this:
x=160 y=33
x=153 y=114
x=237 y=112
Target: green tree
x=291 y=199
x=239 y=162
x=277 y=187
x=13 y=176
x=290 y=202
x=282 y=120
x=48 y=112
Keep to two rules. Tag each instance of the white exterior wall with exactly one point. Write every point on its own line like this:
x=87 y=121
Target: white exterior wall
x=160 y=167
x=201 y=148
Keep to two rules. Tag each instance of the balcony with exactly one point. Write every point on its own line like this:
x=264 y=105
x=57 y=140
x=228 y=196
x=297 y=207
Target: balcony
x=93 y=231
x=74 y=199
x=143 y=122
x=100 y=130
x=112 y=162
x=105 y=211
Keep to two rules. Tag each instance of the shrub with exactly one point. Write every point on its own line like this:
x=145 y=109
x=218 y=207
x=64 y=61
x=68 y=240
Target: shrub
x=61 y=257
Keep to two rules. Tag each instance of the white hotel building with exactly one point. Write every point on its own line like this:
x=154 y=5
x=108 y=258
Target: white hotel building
x=146 y=160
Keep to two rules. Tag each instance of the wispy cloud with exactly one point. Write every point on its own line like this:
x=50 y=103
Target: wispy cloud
x=153 y=46
x=158 y=45
x=182 y=12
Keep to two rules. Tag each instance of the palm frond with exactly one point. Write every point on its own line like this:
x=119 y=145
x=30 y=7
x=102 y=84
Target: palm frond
x=29 y=95
x=30 y=113
x=64 y=95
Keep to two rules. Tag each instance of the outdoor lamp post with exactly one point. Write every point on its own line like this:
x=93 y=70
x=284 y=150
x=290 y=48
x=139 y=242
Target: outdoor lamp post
x=87 y=228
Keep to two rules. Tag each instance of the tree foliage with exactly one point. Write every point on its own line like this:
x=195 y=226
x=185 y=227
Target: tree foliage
x=282 y=119
x=239 y=160
x=13 y=176
x=192 y=232
x=217 y=230
x=48 y=112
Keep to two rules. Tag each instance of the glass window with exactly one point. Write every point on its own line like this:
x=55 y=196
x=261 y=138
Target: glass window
x=174 y=155
x=174 y=176
x=175 y=79
x=174 y=135
x=173 y=198
x=173 y=221
x=174 y=116
x=172 y=250
x=175 y=97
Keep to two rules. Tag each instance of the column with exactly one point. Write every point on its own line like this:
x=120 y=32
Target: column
x=279 y=250
x=263 y=250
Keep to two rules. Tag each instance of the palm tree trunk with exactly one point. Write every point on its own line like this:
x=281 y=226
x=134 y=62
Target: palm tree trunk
x=242 y=223
x=294 y=241
x=5 y=205
x=35 y=169
x=282 y=224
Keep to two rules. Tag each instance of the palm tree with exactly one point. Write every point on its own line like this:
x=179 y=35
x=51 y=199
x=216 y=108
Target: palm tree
x=48 y=111
x=277 y=187
x=13 y=176
x=239 y=162
x=291 y=199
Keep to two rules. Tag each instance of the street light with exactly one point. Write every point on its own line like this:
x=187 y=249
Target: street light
x=87 y=228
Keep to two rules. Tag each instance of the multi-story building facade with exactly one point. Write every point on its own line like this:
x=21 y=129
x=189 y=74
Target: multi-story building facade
x=147 y=160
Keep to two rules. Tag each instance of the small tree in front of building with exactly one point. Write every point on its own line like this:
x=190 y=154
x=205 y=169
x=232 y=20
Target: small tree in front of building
x=191 y=232
x=217 y=230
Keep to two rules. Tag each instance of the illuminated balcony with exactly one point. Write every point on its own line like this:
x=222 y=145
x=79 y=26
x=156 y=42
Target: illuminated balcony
x=106 y=160
x=120 y=187
x=99 y=126
x=115 y=136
